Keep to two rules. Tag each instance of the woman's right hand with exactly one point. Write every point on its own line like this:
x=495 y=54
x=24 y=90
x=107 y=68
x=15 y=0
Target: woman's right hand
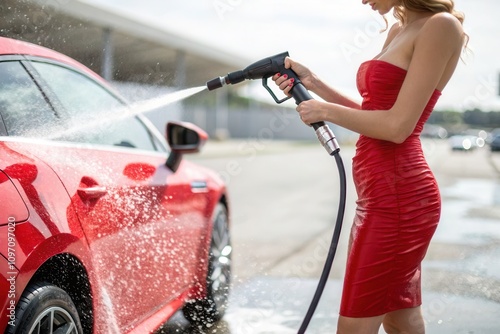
x=285 y=84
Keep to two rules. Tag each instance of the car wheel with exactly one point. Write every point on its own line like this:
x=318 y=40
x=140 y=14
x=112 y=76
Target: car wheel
x=207 y=311
x=45 y=308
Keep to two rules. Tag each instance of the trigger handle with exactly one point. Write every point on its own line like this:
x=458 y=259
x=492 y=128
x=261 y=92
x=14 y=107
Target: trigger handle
x=264 y=83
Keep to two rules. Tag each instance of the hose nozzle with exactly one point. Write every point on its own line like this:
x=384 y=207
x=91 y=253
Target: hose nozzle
x=216 y=83
x=231 y=78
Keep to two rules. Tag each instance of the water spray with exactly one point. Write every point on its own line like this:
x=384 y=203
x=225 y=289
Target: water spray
x=264 y=69
x=106 y=116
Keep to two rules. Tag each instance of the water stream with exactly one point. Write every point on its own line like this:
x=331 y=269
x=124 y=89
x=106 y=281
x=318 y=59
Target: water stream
x=137 y=108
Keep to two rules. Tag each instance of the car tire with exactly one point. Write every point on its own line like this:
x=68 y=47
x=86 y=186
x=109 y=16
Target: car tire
x=207 y=311
x=45 y=308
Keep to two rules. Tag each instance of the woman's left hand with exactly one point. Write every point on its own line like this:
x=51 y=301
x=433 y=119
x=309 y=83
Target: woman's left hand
x=311 y=111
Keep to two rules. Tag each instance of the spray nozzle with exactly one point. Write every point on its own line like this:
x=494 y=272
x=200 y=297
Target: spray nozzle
x=232 y=78
x=216 y=83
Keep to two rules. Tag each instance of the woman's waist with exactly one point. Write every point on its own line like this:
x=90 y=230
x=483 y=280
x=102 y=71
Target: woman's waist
x=391 y=172
x=366 y=144
x=387 y=155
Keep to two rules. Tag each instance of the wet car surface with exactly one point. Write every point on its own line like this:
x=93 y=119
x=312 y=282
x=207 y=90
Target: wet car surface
x=104 y=227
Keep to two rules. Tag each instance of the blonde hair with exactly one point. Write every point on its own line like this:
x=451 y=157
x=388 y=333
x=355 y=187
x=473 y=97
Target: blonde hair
x=434 y=6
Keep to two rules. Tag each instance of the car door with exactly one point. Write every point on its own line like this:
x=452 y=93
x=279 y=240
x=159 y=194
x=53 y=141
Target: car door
x=24 y=179
x=143 y=227
x=143 y=234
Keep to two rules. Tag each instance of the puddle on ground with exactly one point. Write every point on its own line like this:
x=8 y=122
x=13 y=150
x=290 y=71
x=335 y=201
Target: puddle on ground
x=470 y=212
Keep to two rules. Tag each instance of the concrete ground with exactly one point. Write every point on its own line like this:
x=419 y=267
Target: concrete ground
x=284 y=199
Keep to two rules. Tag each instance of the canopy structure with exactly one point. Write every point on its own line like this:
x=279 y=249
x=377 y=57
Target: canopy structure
x=118 y=47
x=143 y=59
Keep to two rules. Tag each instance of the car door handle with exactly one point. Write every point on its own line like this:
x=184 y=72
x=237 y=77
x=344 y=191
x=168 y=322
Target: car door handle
x=199 y=186
x=93 y=192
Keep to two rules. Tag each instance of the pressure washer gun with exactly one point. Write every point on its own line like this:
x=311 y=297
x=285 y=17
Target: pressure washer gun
x=266 y=68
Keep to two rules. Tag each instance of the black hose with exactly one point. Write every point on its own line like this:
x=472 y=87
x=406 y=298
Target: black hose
x=333 y=246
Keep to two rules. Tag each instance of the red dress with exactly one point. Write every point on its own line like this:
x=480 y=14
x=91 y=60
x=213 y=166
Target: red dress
x=398 y=207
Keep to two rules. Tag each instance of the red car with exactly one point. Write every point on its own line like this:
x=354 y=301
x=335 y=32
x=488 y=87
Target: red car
x=104 y=228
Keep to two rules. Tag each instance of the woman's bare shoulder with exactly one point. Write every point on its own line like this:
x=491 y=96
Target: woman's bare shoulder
x=442 y=29
x=443 y=23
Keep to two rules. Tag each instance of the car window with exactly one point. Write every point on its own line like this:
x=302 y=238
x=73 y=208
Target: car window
x=23 y=108
x=92 y=110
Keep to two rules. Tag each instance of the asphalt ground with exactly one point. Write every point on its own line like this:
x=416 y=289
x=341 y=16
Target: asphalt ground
x=284 y=198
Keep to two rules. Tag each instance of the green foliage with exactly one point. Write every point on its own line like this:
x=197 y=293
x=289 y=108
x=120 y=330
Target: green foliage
x=469 y=119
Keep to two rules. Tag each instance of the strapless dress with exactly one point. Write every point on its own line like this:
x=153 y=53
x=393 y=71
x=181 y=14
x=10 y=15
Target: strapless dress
x=398 y=207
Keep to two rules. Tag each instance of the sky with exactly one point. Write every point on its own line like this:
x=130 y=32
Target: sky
x=332 y=38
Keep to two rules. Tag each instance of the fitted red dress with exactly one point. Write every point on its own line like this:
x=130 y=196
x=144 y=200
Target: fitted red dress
x=398 y=207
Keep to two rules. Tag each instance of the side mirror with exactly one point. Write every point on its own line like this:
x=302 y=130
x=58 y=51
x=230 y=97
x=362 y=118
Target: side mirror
x=183 y=137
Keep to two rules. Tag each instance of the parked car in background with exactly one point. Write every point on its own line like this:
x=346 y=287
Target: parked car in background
x=104 y=228
x=434 y=131
x=465 y=142
x=495 y=143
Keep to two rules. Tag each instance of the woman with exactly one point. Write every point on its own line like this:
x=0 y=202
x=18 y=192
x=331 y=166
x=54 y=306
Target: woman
x=398 y=204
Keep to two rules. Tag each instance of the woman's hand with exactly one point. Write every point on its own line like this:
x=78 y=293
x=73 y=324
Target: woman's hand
x=312 y=111
x=286 y=84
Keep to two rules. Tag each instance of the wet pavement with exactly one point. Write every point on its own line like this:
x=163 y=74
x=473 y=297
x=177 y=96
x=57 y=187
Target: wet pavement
x=266 y=305
x=461 y=272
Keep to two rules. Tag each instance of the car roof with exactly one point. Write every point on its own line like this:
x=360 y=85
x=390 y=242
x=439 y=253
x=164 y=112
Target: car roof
x=9 y=46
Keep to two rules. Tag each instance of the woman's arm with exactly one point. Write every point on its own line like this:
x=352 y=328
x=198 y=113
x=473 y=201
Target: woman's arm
x=329 y=94
x=439 y=42
x=313 y=83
